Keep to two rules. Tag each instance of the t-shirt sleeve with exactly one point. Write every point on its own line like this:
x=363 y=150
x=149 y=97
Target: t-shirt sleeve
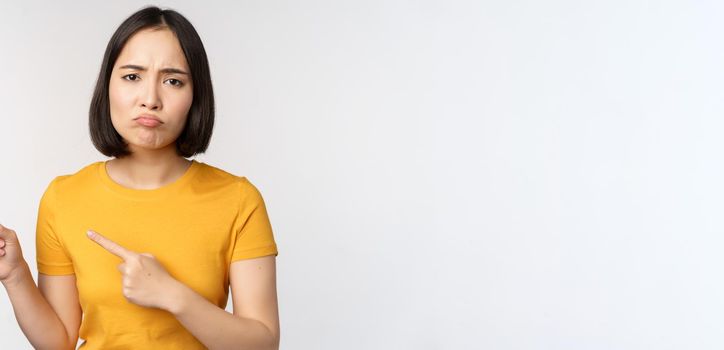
x=51 y=256
x=254 y=237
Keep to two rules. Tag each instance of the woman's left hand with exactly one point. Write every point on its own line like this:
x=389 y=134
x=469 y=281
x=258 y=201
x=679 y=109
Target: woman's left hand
x=145 y=281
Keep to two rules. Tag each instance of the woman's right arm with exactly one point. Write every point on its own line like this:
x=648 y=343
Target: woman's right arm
x=37 y=319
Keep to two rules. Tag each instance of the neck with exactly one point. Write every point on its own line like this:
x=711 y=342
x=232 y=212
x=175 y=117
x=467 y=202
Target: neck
x=147 y=168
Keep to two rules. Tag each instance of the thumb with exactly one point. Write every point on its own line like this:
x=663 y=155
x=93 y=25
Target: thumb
x=5 y=232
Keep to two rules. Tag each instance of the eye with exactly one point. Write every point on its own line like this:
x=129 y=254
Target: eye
x=130 y=75
x=175 y=82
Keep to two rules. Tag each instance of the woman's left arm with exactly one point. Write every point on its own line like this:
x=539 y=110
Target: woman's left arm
x=255 y=321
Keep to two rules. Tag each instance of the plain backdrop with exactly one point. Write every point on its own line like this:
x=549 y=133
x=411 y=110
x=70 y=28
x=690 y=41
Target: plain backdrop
x=439 y=174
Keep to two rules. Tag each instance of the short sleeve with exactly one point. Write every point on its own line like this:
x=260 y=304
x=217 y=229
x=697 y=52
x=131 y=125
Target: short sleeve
x=254 y=237
x=51 y=256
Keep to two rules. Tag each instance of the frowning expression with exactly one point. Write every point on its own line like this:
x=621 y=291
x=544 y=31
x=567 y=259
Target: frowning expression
x=150 y=78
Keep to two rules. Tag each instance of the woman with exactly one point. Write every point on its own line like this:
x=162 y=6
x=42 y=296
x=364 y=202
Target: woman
x=138 y=252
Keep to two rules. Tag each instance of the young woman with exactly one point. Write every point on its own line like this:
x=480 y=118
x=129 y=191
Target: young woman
x=138 y=252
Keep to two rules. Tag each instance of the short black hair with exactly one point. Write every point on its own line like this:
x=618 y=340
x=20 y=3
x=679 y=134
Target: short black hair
x=197 y=132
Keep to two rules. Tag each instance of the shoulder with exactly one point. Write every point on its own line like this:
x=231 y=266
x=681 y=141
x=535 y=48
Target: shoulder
x=213 y=177
x=213 y=173
x=210 y=173
x=72 y=181
x=246 y=192
x=67 y=185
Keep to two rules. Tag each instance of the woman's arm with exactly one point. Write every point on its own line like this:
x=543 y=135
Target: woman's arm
x=37 y=319
x=255 y=322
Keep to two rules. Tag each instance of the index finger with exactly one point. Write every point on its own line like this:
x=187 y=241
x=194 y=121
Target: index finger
x=109 y=245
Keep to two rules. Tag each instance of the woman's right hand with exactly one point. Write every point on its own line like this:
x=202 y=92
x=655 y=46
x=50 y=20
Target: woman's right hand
x=11 y=256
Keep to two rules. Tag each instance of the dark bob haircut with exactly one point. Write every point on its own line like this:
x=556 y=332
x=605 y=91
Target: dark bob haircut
x=197 y=132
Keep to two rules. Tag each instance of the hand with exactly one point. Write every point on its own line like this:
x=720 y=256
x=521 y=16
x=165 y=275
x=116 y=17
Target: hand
x=11 y=256
x=145 y=281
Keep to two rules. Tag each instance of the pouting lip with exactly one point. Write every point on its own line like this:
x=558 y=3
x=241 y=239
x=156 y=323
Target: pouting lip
x=149 y=116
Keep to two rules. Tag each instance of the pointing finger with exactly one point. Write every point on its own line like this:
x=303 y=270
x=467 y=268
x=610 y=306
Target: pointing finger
x=110 y=246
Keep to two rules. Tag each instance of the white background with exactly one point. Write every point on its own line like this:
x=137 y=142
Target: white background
x=439 y=174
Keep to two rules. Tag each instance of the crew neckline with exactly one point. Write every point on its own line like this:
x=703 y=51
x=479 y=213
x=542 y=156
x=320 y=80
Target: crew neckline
x=147 y=194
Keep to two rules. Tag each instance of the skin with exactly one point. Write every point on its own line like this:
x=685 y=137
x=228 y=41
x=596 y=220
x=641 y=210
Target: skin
x=167 y=95
x=154 y=163
x=255 y=321
x=145 y=281
x=11 y=253
x=139 y=85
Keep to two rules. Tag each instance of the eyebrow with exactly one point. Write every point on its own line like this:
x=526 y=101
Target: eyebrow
x=164 y=70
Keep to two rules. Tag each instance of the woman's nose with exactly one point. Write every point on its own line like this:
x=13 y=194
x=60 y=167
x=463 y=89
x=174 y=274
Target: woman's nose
x=150 y=98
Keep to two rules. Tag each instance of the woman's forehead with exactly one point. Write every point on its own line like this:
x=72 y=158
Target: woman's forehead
x=153 y=48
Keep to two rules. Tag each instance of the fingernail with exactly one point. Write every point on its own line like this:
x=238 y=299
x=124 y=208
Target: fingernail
x=89 y=233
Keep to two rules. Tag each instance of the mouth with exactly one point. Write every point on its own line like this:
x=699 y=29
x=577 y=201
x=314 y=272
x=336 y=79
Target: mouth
x=148 y=120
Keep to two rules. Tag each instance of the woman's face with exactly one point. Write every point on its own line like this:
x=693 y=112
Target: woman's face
x=150 y=77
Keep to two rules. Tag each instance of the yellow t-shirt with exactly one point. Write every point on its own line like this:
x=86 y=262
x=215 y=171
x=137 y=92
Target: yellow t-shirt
x=195 y=227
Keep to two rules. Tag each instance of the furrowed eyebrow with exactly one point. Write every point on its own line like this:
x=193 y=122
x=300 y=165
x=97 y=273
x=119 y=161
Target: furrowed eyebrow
x=164 y=70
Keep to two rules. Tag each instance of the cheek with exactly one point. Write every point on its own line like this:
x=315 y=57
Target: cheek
x=188 y=99
x=118 y=98
x=182 y=103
